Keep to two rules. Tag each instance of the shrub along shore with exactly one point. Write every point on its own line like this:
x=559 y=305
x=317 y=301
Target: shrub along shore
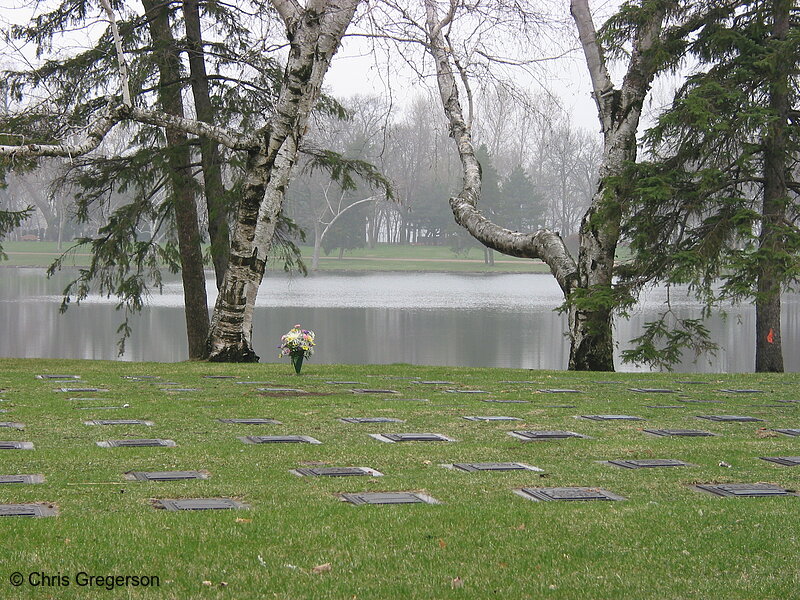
x=296 y=538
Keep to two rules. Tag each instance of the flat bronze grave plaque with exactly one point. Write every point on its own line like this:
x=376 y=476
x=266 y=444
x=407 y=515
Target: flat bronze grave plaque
x=388 y=498
x=493 y=466
x=335 y=472
x=411 y=437
x=255 y=383
x=559 y=406
x=567 y=493
x=22 y=478
x=16 y=445
x=180 y=389
x=371 y=420
x=165 y=475
x=508 y=401
x=371 y=391
x=545 y=435
x=560 y=391
x=118 y=422
x=647 y=463
x=679 y=432
x=652 y=391
x=345 y=382
x=83 y=389
x=28 y=510
x=786 y=461
x=466 y=392
x=792 y=432
x=407 y=399
x=293 y=390
x=733 y=391
x=611 y=418
x=200 y=504
x=730 y=419
x=61 y=377
x=492 y=418
x=279 y=439
x=218 y=377
x=664 y=406
x=745 y=490
x=138 y=443
x=432 y=382
x=251 y=421
x=12 y=425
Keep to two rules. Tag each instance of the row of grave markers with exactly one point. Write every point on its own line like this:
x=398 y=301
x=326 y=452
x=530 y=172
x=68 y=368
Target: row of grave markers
x=537 y=494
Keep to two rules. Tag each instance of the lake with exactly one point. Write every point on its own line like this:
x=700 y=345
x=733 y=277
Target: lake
x=484 y=320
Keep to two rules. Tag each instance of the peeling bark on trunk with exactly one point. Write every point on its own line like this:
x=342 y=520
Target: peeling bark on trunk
x=210 y=156
x=769 y=353
x=590 y=321
x=314 y=34
x=179 y=158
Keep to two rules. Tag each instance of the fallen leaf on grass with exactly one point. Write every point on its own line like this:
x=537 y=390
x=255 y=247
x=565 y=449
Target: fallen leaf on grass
x=321 y=569
x=241 y=520
x=457 y=583
x=442 y=544
x=207 y=583
x=520 y=527
x=765 y=433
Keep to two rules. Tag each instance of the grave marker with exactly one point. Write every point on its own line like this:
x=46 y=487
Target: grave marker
x=61 y=377
x=508 y=401
x=730 y=419
x=791 y=432
x=744 y=490
x=411 y=437
x=200 y=504
x=492 y=466
x=335 y=472
x=652 y=391
x=679 y=432
x=566 y=493
x=369 y=391
x=138 y=443
x=165 y=475
x=279 y=439
x=22 y=478
x=560 y=391
x=647 y=463
x=786 y=461
x=28 y=510
x=388 y=498
x=16 y=445
x=545 y=435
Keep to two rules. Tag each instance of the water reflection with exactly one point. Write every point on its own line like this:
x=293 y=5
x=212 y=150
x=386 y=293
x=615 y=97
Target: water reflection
x=436 y=319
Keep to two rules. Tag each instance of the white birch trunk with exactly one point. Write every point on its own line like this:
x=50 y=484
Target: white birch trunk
x=314 y=34
x=590 y=322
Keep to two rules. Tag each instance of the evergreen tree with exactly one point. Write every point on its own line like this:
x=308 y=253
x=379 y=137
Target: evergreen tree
x=720 y=200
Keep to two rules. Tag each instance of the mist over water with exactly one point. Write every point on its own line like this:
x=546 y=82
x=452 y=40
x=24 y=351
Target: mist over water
x=504 y=320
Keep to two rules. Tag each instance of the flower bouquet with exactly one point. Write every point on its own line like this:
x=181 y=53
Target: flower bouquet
x=297 y=344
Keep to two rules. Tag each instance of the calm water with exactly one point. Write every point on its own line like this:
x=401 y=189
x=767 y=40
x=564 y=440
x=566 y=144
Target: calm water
x=438 y=319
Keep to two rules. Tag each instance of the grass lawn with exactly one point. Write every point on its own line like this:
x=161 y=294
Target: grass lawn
x=666 y=540
x=381 y=258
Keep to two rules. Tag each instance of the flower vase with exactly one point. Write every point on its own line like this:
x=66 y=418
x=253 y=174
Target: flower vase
x=297 y=360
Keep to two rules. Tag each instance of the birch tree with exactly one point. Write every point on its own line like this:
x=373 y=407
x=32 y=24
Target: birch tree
x=585 y=280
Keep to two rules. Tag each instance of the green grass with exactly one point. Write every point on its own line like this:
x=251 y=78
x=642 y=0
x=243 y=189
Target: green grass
x=665 y=541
